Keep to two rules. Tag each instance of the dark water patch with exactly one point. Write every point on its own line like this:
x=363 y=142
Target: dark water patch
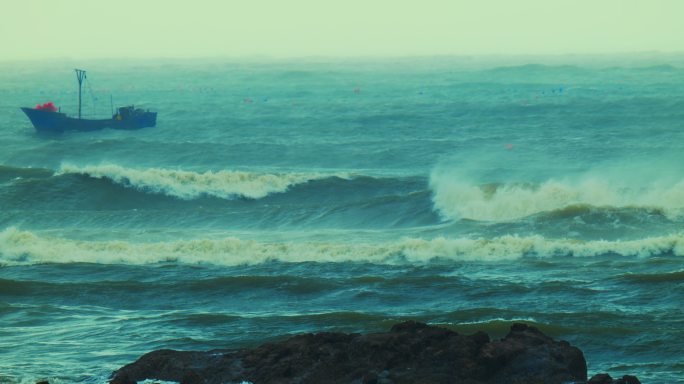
x=567 y=287
x=343 y=320
x=283 y=283
x=395 y=210
x=352 y=188
x=663 y=261
x=654 y=278
x=408 y=280
x=579 y=330
x=92 y=273
x=76 y=192
x=5 y=307
x=260 y=327
x=204 y=319
x=34 y=289
x=12 y=287
x=30 y=315
x=8 y=173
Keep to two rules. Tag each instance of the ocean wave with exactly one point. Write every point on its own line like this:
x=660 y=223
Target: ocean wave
x=665 y=277
x=457 y=199
x=189 y=185
x=10 y=173
x=26 y=247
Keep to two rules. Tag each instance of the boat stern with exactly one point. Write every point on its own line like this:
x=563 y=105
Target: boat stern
x=134 y=118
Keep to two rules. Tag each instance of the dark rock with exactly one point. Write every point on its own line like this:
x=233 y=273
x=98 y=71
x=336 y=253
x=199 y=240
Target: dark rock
x=601 y=378
x=627 y=379
x=411 y=352
x=42 y=382
x=604 y=378
x=528 y=353
x=192 y=377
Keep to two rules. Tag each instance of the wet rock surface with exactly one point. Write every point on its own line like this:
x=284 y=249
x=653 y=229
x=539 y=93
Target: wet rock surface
x=410 y=352
x=604 y=378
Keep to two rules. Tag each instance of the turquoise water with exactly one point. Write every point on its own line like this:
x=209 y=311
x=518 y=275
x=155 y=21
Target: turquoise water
x=282 y=197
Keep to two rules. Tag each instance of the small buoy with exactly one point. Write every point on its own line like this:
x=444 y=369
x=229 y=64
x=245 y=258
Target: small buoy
x=508 y=146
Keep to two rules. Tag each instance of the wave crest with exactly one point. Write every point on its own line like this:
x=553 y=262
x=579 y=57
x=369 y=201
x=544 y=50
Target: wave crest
x=191 y=185
x=25 y=247
x=456 y=199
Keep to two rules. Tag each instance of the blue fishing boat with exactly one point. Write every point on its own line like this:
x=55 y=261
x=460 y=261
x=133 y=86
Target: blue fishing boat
x=48 y=118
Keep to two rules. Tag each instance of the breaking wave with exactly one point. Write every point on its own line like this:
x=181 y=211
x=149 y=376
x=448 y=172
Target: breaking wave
x=455 y=199
x=190 y=185
x=25 y=247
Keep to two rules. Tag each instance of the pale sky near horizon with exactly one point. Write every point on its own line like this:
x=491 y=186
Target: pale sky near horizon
x=91 y=29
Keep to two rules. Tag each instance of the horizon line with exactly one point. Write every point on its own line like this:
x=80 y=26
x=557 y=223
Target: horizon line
x=314 y=57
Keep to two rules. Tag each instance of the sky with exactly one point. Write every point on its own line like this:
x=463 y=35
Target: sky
x=92 y=29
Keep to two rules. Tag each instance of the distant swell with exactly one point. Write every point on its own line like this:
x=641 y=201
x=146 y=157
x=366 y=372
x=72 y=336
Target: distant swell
x=191 y=185
x=24 y=247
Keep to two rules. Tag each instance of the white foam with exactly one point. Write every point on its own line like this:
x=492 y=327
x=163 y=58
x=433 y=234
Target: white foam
x=456 y=198
x=190 y=185
x=25 y=247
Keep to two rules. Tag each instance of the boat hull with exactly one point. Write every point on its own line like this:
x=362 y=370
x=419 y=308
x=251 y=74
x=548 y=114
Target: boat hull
x=48 y=121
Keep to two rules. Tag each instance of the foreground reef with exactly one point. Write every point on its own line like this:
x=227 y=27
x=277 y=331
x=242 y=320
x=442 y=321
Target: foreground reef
x=410 y=352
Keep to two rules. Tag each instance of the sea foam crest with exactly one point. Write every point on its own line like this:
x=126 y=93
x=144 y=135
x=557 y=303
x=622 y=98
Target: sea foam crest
x=190 y=185
x=456 y=199
x=25 y=247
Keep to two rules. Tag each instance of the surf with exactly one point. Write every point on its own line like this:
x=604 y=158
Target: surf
x=455 y=198
x=19 y=247
x=188 y=185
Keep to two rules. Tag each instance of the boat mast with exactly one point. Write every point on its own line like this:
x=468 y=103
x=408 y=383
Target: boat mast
x=80 y=75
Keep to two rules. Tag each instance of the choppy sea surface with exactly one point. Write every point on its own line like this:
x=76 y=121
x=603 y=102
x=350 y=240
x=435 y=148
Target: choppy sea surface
x=280 y=197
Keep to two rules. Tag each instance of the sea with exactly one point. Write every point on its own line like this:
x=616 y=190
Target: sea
x=282 y=196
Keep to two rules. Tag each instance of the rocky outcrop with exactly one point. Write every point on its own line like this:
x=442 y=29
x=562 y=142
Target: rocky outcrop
x=410 y=352
x=604 y=378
